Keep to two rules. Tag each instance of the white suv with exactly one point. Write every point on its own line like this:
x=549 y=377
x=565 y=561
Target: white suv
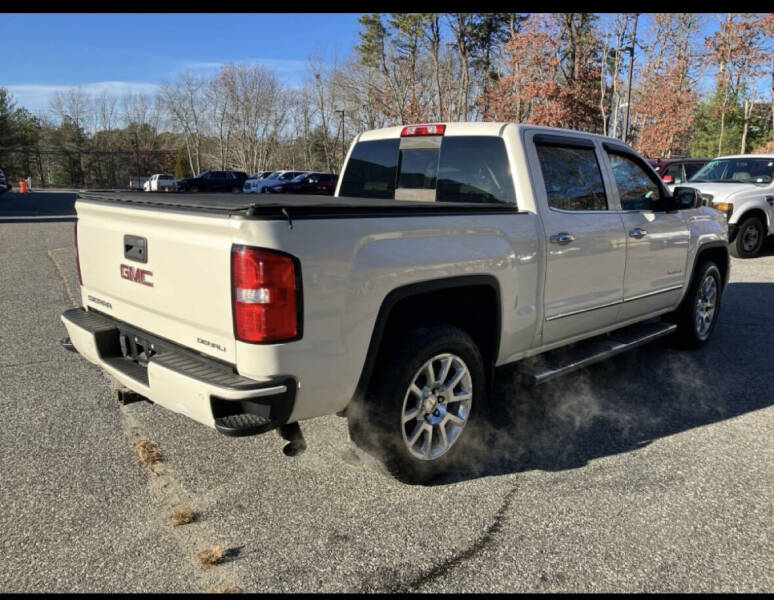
x=741 y=187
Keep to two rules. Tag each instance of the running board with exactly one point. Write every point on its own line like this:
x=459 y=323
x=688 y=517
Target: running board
x=545 y=367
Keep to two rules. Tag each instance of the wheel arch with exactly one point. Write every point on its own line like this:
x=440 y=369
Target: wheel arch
x=755 y=211
x=718 y=253
x=405 y=305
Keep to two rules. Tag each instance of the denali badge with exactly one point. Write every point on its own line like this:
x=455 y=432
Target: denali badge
x=210 y=344
x=136 y=275
x=98 y=301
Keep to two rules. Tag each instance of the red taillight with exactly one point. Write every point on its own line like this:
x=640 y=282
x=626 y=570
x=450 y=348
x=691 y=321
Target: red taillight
x=411 y=130
x=265 y=295
x=77 y=259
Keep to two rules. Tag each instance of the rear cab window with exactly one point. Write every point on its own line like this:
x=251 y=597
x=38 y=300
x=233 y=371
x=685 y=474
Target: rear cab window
x=431 y=168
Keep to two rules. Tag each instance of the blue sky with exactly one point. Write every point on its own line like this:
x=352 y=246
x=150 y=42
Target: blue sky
x=43 y=53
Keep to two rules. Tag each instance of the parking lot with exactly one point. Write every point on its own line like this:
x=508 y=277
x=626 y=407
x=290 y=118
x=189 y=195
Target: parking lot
x=653 y=471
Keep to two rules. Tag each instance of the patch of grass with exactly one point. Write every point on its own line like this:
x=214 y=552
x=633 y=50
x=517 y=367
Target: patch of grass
x=211 y=556
x=181 y=516
x=148 y=452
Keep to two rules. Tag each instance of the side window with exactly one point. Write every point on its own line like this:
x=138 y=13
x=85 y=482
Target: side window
x=371 y=169
x=676 y=171
x=474 y=169
x=691 y=169
x=635 y=187
x=572 y=177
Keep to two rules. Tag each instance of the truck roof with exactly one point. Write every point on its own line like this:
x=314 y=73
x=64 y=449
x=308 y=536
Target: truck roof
x=468 y=128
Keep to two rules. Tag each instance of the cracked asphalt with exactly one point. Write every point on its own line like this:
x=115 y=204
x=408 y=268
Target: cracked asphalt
x=651 y=472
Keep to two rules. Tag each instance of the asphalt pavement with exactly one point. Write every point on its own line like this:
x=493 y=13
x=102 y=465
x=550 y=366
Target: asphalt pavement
x=653 y=471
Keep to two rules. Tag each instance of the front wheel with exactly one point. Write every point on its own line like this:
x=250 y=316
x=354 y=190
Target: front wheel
x=749 y=239
x=236 y=190
x=698 y=313
x=193 y=189
x=424 y=403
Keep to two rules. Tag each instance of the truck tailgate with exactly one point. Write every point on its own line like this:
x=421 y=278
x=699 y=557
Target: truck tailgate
x=167 y=272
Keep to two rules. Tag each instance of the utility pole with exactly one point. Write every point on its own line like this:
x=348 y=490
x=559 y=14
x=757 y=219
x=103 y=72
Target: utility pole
x=631 y=69
x=341 y=112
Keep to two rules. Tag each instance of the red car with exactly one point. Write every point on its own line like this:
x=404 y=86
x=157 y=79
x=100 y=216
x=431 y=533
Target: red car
x=306 y=183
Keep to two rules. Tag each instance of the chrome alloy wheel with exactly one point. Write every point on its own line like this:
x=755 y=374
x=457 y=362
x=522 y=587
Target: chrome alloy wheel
x=437 y=406
x=706 y=301
x=750 y=237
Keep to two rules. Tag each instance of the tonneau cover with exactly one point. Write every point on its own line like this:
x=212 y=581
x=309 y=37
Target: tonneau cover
x=273 y=204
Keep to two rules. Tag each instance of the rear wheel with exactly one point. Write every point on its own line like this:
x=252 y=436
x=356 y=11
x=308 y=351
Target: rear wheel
x=424 y=404
x=749 y=239
x=236 y=190
x=193 y=189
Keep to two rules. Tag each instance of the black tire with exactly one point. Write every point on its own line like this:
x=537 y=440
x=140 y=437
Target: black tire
x=375 y=423
x=192 y=189
x=749 y=239
x=688 y=335
x=236 y=190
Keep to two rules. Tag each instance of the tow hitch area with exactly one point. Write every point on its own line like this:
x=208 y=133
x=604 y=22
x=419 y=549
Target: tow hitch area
x=127 y=396
x=67 y=344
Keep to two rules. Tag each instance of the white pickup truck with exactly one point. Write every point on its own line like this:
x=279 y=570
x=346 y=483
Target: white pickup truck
x=741 y=187
x=447 y=250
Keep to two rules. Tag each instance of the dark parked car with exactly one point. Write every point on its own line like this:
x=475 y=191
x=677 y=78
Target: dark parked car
x=306 y=183
x=213 y=181
x=3 y=186
x=676 y=171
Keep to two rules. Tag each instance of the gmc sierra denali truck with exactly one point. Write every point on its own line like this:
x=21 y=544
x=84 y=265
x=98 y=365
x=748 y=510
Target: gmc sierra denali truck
x=741 y=187
x=447 y=250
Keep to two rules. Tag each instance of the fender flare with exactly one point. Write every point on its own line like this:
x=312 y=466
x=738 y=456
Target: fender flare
x=417 y=289
x=699 y=251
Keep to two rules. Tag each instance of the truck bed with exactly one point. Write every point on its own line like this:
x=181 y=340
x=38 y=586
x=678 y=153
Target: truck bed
x=280 y=206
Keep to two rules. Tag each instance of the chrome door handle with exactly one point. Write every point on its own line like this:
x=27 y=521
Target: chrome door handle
x=562 y=238
x=638 y=233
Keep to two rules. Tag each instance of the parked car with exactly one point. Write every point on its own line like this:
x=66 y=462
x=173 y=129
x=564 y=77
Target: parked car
x=213 y=181
x=275 y=178
x=249 y=186
x=306 y=183
x=450 y=249
x=160 y=182
x=676 y=171
x=4 y=187
x=742 y=187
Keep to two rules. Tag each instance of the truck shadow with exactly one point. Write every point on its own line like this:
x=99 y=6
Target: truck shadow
x=626 y=403
x=37 y=206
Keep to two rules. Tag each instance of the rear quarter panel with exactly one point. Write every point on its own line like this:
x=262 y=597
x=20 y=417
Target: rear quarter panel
x=349 y=265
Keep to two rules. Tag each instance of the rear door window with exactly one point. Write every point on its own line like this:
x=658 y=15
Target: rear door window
x=572 y=177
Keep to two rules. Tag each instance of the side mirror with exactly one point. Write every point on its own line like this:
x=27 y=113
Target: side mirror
x=686 y=197
x=668 y=179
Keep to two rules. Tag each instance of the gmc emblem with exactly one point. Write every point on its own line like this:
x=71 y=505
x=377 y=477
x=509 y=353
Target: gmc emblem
x=136 y=275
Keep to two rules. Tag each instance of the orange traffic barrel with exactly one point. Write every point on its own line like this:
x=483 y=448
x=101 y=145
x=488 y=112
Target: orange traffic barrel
x=22 y=187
